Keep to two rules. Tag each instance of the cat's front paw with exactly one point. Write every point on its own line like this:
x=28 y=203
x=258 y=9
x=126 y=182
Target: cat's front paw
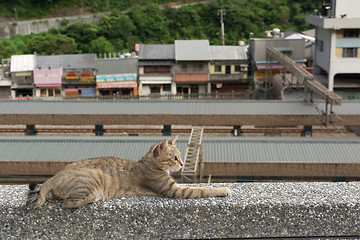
x=224 y=191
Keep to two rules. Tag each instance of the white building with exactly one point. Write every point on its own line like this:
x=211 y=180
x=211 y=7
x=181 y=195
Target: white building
x=337 y=54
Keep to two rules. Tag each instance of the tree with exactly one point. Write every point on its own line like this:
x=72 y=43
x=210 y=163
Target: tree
x=101 y=45
x=7 y=48
x=48 y=44
x=116 y=25
x=83 y=33
x=151 y=23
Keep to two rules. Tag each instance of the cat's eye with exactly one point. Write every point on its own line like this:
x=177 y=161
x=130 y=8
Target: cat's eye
x=176 y=159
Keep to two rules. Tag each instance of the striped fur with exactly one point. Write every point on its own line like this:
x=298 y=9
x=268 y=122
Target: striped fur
x=95 y=179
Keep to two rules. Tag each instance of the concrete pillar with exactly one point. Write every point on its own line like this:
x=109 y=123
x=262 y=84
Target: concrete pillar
x=166 y=130
x=99 y=130
x=173 y=88
x=209 y=87
x=307 y=132
x=237 y=131
x=30 y=130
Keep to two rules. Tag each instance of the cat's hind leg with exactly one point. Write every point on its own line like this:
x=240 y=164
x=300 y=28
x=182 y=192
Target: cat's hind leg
x=76 y=203
x=86 y=187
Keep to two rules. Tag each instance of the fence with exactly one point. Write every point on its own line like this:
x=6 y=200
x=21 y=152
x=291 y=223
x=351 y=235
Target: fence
x=155 y=96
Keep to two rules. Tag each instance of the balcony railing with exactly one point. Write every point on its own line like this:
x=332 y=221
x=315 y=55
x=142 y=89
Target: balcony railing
x=82 y=79
x=87 y=79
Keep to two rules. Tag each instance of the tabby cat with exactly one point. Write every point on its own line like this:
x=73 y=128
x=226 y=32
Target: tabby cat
x=101 y=178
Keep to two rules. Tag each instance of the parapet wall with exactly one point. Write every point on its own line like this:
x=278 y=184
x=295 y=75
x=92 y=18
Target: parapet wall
x=253 y=210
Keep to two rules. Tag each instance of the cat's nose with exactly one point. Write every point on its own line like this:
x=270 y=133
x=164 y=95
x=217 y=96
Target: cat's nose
x=181 y=163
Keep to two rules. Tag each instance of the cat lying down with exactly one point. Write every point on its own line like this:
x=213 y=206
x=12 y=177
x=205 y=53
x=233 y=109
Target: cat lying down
x=101 y=178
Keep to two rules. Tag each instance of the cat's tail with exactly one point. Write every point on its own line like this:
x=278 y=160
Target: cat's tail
x=33 y=194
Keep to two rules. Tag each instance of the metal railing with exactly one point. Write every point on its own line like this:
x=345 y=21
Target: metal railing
x=192 y=96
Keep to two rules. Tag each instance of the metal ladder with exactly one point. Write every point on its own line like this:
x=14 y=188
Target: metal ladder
x=193 y=155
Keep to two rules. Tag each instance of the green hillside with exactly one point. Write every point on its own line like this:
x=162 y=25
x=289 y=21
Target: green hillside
x=147 y=22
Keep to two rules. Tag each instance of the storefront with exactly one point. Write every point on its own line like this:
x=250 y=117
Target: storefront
x=116 y=84
x=47 y=82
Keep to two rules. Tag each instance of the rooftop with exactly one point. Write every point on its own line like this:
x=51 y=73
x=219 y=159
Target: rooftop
x=67 y=61
x=116 y=66
x=53 y=61
x=225 y=149
x=228 y=53
x=157 y=52
x=22 y=63
x=74 y=61
x=192 y=50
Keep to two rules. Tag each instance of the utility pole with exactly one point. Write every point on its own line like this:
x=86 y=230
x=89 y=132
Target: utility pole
x=222 y=14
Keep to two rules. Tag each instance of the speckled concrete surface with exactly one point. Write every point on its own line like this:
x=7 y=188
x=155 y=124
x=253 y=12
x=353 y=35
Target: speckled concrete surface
x=252 y=210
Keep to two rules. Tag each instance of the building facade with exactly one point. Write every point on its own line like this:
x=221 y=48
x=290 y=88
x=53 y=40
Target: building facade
x=156 y=64
x=22 y=68
x=337 y=57
x=48 y=76
x=79 y=75
x=191 y=73
x=262 y=69
x=228 y=69
x=116 y=77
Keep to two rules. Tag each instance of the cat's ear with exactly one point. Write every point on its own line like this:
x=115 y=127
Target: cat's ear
x=172 y=140
x=159 y=148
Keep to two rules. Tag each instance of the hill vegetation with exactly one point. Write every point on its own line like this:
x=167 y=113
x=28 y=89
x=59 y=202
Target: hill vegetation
x=145 y=21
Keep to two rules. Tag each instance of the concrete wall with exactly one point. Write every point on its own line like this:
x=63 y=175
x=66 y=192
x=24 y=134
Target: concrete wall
x=258 y=47
x=9 y=29
x=319 y=210
x=323 y=57
x=348 y=7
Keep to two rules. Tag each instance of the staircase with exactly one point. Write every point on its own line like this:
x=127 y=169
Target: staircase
x=193 y=155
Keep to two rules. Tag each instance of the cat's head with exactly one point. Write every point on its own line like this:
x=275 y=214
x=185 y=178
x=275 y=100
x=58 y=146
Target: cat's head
x=166 y=156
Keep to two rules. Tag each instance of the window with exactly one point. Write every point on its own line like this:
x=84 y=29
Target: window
x=349 y=52
x=194 y=89
x=228 y=69
x=167 y=87
x=320 y=45
x=43 y=92
x=154 y=89
x=157 y=69
x=184 y=67
x=218 y=68
x=287 y=53
x=351 y=33
x=237 y=68
x=244 y=68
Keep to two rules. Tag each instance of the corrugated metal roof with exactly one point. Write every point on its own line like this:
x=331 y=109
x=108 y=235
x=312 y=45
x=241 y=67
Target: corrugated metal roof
x=75 y=61
x=229 y=149
x=158 y=107
x=192 y=50
x=157 y=52
x=78 y=148
x=237 y=149
x=67 y=61
x=53 y=61
x=346 y=107
x=22 y=63
x=228 y=53
x=116 y=66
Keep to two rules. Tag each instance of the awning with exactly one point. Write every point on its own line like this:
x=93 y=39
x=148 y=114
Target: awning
x=125 y=84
